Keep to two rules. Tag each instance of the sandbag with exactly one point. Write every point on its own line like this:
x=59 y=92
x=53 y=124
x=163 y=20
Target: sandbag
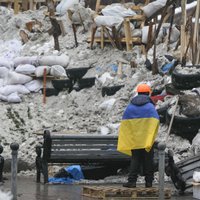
x=62 y=60
x=1 y=82
x=16 y=78
x=64 y=5
x=14 y=98
x=34 y=85
x=3 y=98
x=108 y=21
x=25 y=69
x=6 y=63
x=153 y=7
x=58 y=71
x=9 y=89
x=39 y=71
x=117 y=10
x=3 y=72
x=32 y=60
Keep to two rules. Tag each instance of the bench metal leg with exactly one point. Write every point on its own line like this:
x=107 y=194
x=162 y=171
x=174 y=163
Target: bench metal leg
x=38 y=163
x=45 y=171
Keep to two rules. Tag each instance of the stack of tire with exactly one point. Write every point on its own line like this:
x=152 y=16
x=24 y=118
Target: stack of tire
x=186 y=127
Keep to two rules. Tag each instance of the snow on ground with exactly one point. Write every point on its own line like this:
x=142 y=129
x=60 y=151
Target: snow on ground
x=75 y=112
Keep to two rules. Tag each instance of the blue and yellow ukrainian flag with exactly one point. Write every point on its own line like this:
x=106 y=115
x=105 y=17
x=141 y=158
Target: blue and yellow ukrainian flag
x=138 y=128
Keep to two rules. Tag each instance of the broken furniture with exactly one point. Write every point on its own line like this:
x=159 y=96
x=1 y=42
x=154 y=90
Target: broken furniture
x=82 y=149
x=181 y=172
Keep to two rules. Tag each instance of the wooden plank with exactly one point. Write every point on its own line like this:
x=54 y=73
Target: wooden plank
x=98 y=2
x=16 y=6
x=183 y=24
x=128 y=37
x=102 y=37
x=117 y=192
x=134 y=40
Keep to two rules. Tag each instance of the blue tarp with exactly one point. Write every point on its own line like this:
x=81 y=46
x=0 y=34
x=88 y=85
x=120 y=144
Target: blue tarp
x=74 y=170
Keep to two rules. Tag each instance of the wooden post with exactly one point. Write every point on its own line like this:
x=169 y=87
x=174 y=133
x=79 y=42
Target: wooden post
x=97 y=5
x=102 y=37
x=196 y=34
x=16 y=6
x=44 y=85
x=183 y=24
x=24 y=5
x=128 y=37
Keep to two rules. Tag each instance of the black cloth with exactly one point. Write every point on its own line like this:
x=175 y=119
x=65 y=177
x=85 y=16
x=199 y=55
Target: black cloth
x=141 y=163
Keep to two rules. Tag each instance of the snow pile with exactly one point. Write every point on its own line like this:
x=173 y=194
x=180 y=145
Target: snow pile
x=86 y=111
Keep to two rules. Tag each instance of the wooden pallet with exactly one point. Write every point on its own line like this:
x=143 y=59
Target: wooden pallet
x=117 y=192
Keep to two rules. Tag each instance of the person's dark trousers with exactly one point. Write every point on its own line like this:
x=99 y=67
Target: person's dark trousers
x=141 y=158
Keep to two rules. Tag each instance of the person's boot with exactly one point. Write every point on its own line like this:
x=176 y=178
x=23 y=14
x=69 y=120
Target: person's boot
x=148 y=184
x=130 y=184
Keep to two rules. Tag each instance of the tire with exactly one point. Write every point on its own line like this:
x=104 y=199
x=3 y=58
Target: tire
x=162 y=113
x=186 y=127
x=186 y=81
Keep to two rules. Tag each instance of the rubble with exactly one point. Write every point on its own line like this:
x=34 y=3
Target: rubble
x=85 y=111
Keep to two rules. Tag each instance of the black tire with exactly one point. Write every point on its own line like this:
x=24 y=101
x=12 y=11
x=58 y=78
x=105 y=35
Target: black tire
x=162 y=113
x=186 y=127
x=186 y=81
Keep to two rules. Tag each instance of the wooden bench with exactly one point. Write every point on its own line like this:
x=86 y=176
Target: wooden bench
x=78 y=149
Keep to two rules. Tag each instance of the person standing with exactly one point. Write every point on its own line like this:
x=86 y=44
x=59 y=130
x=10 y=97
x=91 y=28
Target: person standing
x=137 y=133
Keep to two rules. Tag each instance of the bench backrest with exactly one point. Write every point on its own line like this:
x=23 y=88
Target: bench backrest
x=63 y=148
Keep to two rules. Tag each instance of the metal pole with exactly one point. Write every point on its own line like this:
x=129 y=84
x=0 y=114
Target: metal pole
x=161 y=153
x=1 y=164
x=14 y=147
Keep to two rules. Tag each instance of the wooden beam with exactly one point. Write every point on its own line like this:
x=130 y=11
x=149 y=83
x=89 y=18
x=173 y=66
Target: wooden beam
x=183 y=24
x=16 y=6
x=128 y=37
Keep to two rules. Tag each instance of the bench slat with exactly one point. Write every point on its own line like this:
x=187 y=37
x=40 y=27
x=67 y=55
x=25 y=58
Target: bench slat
x=90 y=146
x=83 y=137
x=94 y=142
x=86 y=152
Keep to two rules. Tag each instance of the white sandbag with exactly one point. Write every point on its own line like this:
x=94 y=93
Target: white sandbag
x=3 y=72
x=64 y=5
x=14 y=98
x=58 y=71
x=34 y=85
x=196 y=177
x=25 y=69
x=108 y=104
x=175 y=34
x=32 y=60
x=62 y=60
x=6 y=63
x=104 y=77
x=1 y=82
x=108 y=21
x=16 y=78
x=39 y=71
x=153 y=7
x=3 y=98
x=145 y=32
x=9 y=89
x=117 y=10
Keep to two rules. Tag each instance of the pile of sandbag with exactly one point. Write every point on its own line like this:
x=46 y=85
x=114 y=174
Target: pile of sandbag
x=16 y=76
